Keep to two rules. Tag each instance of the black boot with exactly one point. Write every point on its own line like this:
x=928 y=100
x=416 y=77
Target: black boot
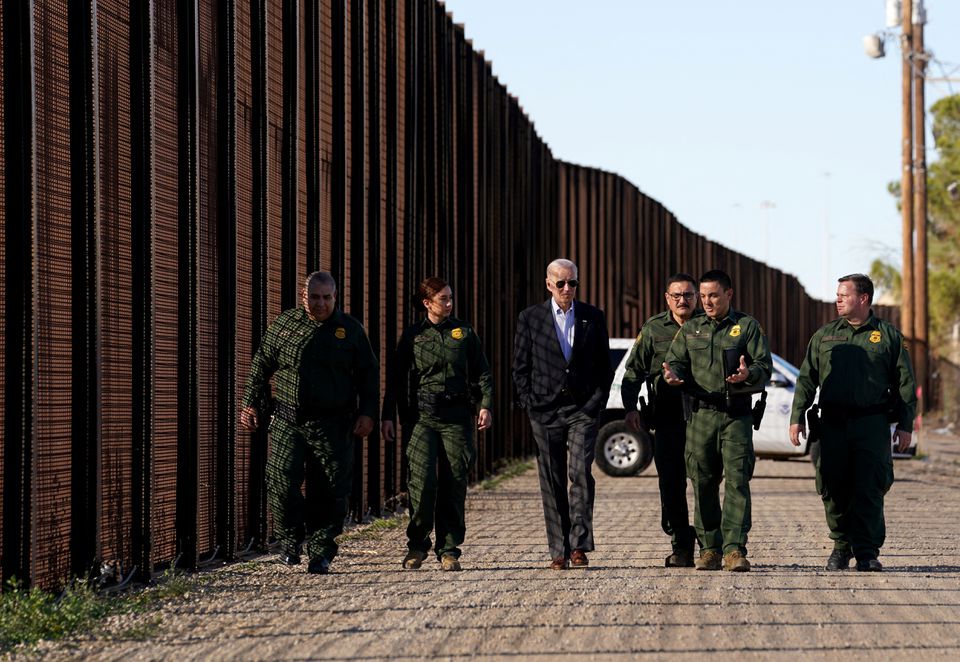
x=839 y=560
x=868 y=564
x=318 y=566
x=290 y=555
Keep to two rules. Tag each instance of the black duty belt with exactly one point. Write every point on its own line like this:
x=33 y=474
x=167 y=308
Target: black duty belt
x=703 y=404
x=443 y=399
x=298 y=415
x=739 y=405
x=836 y=411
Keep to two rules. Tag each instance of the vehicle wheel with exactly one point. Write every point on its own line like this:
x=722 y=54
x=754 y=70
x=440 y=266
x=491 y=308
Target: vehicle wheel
x=815 y=451
x=621 y=451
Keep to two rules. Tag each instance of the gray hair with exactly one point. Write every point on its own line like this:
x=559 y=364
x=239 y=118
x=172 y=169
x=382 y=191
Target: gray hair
x=562 y=263
x=320 y=277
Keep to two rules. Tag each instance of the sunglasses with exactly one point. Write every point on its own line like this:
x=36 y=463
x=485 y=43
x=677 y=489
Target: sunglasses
x=573 y=282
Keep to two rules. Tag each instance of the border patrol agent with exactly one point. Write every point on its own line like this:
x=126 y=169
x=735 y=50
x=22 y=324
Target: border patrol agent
x=664 y=412
x=720 y=358
x=328 y=385
x=436 y=377
x=863 y=371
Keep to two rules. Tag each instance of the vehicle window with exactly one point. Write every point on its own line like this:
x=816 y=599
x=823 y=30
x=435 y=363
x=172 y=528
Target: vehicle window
x=778 y=373
x=789 y=368
x=616 y=355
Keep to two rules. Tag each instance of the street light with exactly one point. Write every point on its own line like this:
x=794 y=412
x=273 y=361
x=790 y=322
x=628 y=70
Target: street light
x=873 y=45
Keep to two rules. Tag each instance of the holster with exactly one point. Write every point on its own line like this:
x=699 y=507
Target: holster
x=758 y=408
x=894 y=406
x=646 y=413
x=266 y=406
x=691 y=405
x=813 y=424
x=476 y=394
x=284 y=412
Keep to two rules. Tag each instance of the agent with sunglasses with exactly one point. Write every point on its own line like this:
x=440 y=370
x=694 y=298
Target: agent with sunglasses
x=562 y=372
x=664 y=412
x=720 y=358
x=436 y=378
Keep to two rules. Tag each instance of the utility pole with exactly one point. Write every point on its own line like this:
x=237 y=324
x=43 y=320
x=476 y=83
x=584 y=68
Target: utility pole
x=914 y=318
x=906 y=180
x=921 y=347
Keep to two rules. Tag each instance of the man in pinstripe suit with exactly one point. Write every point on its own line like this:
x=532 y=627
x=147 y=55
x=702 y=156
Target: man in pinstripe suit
x=562 y=372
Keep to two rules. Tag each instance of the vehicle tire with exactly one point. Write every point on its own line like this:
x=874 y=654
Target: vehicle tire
x=622 y=451
x=815 y=451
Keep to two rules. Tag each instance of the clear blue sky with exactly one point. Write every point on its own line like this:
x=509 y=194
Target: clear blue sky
x=727 y=113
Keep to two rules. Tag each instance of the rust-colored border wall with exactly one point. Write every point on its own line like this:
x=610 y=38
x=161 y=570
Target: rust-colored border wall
x=626 y=257
x=243 y=208
x=51 y=485
x=165 y=189
x=167 y=281
x=114 y=270
x=3 y=270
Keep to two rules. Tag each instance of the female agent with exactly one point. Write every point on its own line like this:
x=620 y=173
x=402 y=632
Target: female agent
x=435 y=379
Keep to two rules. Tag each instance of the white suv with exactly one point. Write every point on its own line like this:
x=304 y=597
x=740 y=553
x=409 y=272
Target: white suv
x=625 y=452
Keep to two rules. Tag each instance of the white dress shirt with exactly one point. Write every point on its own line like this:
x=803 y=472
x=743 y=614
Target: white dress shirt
x=565 y=323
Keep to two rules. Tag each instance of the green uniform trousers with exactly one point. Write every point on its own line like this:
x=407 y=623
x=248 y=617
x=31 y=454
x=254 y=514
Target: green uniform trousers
x=439 y=454
x=720 y=447
x=668 y=455
x=322 y=453
x=854 y=472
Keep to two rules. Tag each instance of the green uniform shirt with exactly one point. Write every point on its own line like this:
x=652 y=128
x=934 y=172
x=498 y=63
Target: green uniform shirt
x=436 y=358
x=857 y=367
x=696 y=353
x=320 y=367
x=646 y=360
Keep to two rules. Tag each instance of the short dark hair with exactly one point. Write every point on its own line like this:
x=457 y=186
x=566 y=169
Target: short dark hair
x=322 y=278
x=428 y=288
x=717 y=276
x=860 y=281
x=679 y=277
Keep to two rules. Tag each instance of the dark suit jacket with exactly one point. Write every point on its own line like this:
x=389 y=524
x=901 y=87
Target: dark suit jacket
x=544 y=379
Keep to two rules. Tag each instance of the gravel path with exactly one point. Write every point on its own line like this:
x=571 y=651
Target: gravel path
x=506 y=604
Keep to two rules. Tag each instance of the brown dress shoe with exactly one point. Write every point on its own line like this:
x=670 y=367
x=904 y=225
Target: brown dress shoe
x=578 y=559
x=560 y=563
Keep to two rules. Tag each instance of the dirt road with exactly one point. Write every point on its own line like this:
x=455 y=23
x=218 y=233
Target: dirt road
x=506 y=604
